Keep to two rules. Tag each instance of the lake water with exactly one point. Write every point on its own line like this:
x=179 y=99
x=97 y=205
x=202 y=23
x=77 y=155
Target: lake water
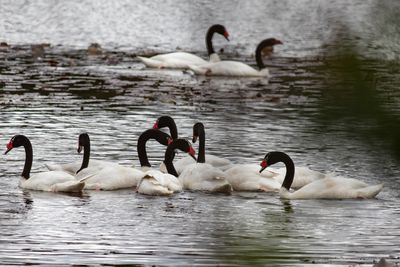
x=311 y=108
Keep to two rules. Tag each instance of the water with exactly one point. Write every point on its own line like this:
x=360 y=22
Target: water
x=114 y=99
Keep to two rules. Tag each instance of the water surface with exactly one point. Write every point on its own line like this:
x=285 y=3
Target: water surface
x=52 y=97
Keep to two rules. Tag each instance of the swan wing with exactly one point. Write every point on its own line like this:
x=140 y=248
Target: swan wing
x=151 y=186
x=112 y=178
x=204 y=177
x=246 y=177
x=176 y=60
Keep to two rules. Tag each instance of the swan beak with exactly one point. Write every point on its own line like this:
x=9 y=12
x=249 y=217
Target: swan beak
x=194 y=138
x=226 y=35
x=263 y=165
x=9 y=148
x=79 y=149
x=192 y=153
x=155 y=126
x=170 y=140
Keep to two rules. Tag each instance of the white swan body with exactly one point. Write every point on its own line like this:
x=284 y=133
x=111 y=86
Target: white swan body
x=333 y=188
x=111 y=177
x=246 y=177
x=157 y=183
x=204 y=177
x=73 y=167
x=176 y=60
x=228 y=68
x=52 y=181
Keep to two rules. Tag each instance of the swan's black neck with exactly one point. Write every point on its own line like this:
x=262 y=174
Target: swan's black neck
x=259 y=60
x=28 y=158
x=209 y=36
x=180 y=144
x=287 y=182
x=198 y=129
x=167 y=121
x=217 y=28
x=158 y=135
x=85 y=142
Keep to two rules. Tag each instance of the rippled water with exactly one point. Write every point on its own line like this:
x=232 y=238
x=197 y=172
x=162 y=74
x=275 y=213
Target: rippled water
x=54 y=97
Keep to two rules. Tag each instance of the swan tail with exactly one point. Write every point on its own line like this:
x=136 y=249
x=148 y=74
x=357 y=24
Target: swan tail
x=151 y=63
x=370 y=191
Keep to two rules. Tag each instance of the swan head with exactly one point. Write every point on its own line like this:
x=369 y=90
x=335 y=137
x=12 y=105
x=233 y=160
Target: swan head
x=198 y=129
x=15 y=141
x=218 y=28
x=83 y=141
x=166 y=121
x=265 y=48
x=183 y=145
x=270 y=159
x=163 y=121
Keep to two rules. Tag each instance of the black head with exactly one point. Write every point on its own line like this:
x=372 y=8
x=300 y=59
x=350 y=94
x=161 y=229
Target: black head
x=270 y=42
x=183 y=145
x=197 y=129
x=270 y=159
x=163 y=121
x=218 y=28
x=16 y=141
x=83 y=141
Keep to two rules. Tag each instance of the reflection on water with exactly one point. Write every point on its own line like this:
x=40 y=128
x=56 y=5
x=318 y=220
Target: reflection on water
x=52 y=95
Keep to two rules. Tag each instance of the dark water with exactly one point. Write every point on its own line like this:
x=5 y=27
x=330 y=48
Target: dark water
x=311 y=108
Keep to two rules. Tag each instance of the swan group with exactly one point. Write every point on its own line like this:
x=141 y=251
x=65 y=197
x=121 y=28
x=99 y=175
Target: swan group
x=204 y=173
x=207 y=172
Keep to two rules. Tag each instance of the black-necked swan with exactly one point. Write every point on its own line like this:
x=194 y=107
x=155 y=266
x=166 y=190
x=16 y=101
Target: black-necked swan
x=111 y=176
x=180 y=165
x=74 y=167
x=53 y=181
x=182 y=60
x=155 y=182
x=247 y=177
x=328 y=188
x=239 y=69
x=200 y=176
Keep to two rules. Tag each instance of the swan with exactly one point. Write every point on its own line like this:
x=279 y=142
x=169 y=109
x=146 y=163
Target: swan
x=182 y=60
x=235 y=68
x=110 y=176
x=155 y=182
x=246 y=177
x=328 y=188
x=74 y=167
x=200 y=175
x=53 y=181
x=198 y=132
